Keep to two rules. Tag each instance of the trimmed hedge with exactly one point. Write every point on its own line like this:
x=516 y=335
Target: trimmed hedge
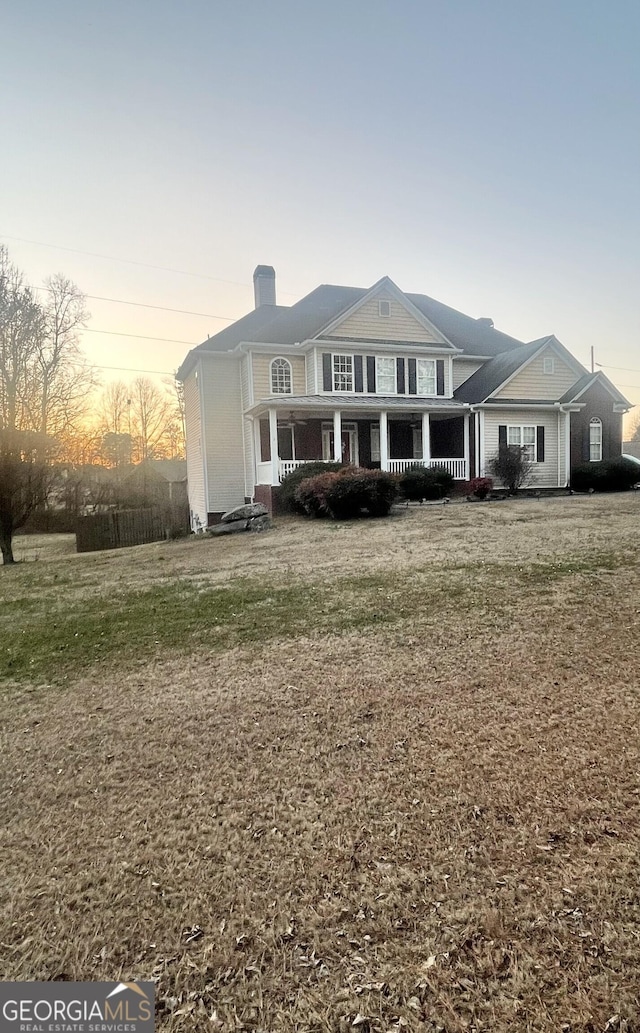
x=418 y=483
x=289 y=484
x=347 y=493
x=608 y=475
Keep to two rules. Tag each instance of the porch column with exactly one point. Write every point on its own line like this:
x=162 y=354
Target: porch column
x=426 y=438
x=273 y=444
x=384 y=441
x=467 y=449
x=257 y=447
x=337 y=436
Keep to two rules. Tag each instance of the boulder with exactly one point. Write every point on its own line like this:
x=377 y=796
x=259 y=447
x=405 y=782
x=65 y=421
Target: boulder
x=259 y=523
x=229 y=528
x=252 y=509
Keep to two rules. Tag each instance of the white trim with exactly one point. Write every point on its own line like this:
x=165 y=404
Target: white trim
x=384 y=440
x=393 y=359
x=595 y=421
x=450 y=392
x=481 y=443
x=548 y=342
x=567 y=432
x=257 y=447
x=203 y=438
x=522 y=444
x=273 y=447
x=364 y=347
x=426 y=437
x=249 y=357
x=467 y=440
x=604 y=380
x=352 y=389
x=337 y=436
x=315 y=371
x=381 y=302
x=558 y=447
x=476 y=457
x=281 y=358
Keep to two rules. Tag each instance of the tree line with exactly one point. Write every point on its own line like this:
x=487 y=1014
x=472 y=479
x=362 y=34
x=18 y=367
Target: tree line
x=53 y=412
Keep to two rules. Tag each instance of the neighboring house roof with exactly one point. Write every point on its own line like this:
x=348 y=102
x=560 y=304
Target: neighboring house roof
x=289 y=325
x=171 y=470
x=494 y=373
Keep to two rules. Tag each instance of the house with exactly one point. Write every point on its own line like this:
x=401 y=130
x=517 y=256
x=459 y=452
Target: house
x=380 y=378
x=154 y=482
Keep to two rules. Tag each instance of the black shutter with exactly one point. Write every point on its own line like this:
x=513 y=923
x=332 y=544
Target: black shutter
x=502 y=437
x=586 y=443
x=412 y=377
x=371 y=374
x=326 y=372
x=540 y=444
x=357 y=372
x=400 y=376
x=439 y=376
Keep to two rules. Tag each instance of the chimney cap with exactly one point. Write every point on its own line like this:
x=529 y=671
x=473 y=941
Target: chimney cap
x=264 y=270
x=485 y=320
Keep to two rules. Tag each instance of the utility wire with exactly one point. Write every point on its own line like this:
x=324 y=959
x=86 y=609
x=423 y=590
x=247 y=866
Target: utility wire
x=142 y=337
x=142 y=304
x=130 y=261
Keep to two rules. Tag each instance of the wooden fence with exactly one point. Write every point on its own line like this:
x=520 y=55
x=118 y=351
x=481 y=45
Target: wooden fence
x=122 y=528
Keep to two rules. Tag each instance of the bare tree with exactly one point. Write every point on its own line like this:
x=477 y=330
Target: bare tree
x=26 y=479
x=153 y=416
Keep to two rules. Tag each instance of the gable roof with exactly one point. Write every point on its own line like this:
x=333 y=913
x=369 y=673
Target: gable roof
x=290 y=325
x=494 y=373
x=587 y=381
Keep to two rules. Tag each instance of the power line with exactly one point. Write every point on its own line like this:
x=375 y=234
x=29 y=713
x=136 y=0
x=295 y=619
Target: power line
x=142 y=337
x=625 y=369
x=142 y=304
x=130 y=261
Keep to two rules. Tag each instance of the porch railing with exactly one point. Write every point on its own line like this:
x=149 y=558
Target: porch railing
x=456 y=467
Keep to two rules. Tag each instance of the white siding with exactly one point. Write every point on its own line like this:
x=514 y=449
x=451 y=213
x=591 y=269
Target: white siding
x=533 y=382
x=463 y=369
x=545 y=474
x=262 y=373
x=367 y=324
x=194 y=449
x=223 y=432
x=247 y=426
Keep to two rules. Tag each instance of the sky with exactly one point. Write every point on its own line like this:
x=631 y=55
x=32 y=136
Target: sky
x=483 y=152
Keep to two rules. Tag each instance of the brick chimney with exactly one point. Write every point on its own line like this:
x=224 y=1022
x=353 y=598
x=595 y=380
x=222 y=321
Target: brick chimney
x=264 y=285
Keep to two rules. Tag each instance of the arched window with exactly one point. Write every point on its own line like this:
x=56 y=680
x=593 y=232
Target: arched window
x=281 y=377
x=595 y=440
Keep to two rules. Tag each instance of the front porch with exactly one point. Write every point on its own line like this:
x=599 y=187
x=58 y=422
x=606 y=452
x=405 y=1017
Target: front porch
x=376 y=441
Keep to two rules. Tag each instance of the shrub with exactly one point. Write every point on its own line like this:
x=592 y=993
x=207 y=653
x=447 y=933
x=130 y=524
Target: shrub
x=347 y=493
x=609 y=475
x=480 y=487
x=421 y=482
x=289 y=484
x=512 y=466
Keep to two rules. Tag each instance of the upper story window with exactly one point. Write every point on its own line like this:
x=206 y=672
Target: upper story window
x=524 y=438
x=595 y=440
x=426 y=383
x=281 y=380
x=385 y=376
x=548 y=365
x=384 y=308
x=343 y=372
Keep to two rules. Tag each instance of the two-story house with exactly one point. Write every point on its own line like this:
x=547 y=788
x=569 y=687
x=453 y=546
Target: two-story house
x=380 y=378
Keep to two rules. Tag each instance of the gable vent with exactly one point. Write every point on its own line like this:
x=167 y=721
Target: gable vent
x=384 y=308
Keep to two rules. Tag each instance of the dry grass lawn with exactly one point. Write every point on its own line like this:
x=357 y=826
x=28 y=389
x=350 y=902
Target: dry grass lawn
x=370 y=776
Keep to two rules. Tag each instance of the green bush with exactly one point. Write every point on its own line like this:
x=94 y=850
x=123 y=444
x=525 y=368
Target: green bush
x=289 y=485
x=347 y=493
x=609 y=475
x=418 y=483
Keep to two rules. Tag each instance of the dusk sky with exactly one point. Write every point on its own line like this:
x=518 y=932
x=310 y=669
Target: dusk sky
x=485 y=153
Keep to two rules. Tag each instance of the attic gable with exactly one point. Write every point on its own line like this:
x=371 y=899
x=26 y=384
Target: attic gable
x=548 y=373
x=384 y=313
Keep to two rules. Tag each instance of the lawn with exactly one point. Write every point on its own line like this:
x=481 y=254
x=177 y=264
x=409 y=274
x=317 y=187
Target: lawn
x=372 y=776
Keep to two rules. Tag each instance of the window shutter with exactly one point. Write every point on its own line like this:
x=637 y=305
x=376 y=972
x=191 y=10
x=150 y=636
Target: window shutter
x=440 y=376
x=326 y=371
x=540 y=444
x=371 y=374
x=586 y=451
x=502 y=437
x=400 y=376
x=412 y=377
x=357 y=372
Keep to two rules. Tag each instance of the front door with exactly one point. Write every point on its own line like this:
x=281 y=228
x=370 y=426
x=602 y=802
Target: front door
x=349 y=443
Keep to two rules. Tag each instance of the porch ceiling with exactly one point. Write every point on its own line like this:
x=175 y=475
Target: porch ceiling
x=355 y=404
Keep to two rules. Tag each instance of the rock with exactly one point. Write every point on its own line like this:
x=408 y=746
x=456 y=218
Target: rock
x=229 y=528
x=252 y=509
x=259 y=523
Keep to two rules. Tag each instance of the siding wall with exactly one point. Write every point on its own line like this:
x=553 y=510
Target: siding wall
x=532 y=382
x=463 y=369
x=194 y=449
x=223 y=433
x=262 y=374
x=562 y=448
x=366 y=324
x=245 y=390
x=545 y=474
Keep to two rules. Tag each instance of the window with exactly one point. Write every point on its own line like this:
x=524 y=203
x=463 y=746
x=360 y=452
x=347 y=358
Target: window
x=548 y=365
x=595 y=440
x=384 y=308
x=426 y=376
x=281 y=377
x=524 y=438
x=343 y=372
x=385 y=376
